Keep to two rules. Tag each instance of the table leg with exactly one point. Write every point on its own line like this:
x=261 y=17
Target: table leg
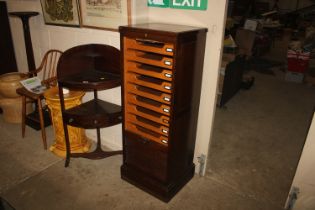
x=41 y=120
x=23 y=115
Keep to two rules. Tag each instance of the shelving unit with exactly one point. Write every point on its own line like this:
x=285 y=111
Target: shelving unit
x=162 y=70
x=91 y=67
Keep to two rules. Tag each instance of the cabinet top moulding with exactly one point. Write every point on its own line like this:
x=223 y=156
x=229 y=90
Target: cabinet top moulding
x=169 y=30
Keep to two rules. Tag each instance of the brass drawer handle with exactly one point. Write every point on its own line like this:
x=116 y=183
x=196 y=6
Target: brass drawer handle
x=167 y=87
x=164 y=141
x=168 y=63
x=166 y=110
x=165 y=131
x=168 y=75
x=165 y=121
x=167 y=99
x=169 y=50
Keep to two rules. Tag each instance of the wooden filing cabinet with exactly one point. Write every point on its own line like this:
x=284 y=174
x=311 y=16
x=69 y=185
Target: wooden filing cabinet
x=162 y=70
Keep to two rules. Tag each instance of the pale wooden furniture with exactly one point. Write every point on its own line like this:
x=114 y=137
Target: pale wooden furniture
x=91 y=67
x=79 y=143
x=162 y=70
x=47 y=69
x=10 y=101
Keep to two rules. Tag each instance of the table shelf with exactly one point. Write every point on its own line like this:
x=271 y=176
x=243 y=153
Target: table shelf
x=91 y=80
x=93 y=114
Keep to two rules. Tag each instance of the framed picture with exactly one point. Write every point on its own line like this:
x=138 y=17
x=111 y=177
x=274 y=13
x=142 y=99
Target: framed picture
x=105 y=14
x=65 y=12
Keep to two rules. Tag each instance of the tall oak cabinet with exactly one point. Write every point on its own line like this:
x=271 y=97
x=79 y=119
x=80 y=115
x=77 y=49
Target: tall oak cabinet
x=162 y=71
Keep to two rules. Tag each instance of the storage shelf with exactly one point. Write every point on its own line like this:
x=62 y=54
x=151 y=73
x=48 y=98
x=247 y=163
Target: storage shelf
x=91 y=67
x=93 y=114
x=91 y=80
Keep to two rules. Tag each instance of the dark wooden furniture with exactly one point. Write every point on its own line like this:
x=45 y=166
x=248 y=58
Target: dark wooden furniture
x=162 y=70
x=25 y=16
x=7 y=56
x=91 y=67
x=232 y=81
x=39 y=119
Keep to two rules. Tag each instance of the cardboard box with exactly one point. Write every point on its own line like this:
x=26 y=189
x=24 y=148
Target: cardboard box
x=251 y=25
x=245 y=41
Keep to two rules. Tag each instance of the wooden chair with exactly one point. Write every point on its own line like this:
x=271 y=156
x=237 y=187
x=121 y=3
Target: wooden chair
x=48 y=72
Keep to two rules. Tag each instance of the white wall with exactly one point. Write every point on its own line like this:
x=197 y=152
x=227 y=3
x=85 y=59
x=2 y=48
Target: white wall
x=213 y=19
x=304 y=178
x=46 y=37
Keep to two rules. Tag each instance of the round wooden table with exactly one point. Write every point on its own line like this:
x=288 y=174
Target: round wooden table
x=78 y=141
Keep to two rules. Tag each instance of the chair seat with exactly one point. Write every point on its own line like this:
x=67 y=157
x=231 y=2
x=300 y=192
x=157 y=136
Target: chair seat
x=24 y=92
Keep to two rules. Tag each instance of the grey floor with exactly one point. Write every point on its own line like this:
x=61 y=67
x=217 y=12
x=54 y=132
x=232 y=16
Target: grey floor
x=256 y=144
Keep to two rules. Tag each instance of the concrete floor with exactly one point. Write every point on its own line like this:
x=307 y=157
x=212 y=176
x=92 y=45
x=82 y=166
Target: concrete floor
x=258 y=138
x=255 y=148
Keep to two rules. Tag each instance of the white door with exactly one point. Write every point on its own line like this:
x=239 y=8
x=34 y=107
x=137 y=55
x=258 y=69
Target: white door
x=302 y=193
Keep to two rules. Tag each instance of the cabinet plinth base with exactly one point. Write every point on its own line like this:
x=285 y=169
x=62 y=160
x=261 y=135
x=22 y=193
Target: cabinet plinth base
x=164 y=191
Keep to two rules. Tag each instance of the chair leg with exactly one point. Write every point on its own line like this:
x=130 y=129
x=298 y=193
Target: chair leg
x=41 y=121
x=23 y=115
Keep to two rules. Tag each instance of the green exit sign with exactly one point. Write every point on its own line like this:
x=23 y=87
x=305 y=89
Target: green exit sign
x=189 y=4
x=158 y=3
x=180 y=4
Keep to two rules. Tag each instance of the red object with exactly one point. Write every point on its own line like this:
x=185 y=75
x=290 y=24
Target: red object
x=298 y=61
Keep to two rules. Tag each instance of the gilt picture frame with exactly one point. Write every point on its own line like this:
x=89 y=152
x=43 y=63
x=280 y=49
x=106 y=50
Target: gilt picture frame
x=105 y=14
x=63 y=13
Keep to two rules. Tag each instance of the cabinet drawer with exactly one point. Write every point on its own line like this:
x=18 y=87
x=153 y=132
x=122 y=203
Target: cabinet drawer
x=149 y=70
x=147 y=156
x=148 y=114
x=147 y=134
x=93 y=114
x=156 y=127
x=149 y=46
x=89 y=122
x=149 y=58
x=148 y=103
x=149 y=82
x=149 y=93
